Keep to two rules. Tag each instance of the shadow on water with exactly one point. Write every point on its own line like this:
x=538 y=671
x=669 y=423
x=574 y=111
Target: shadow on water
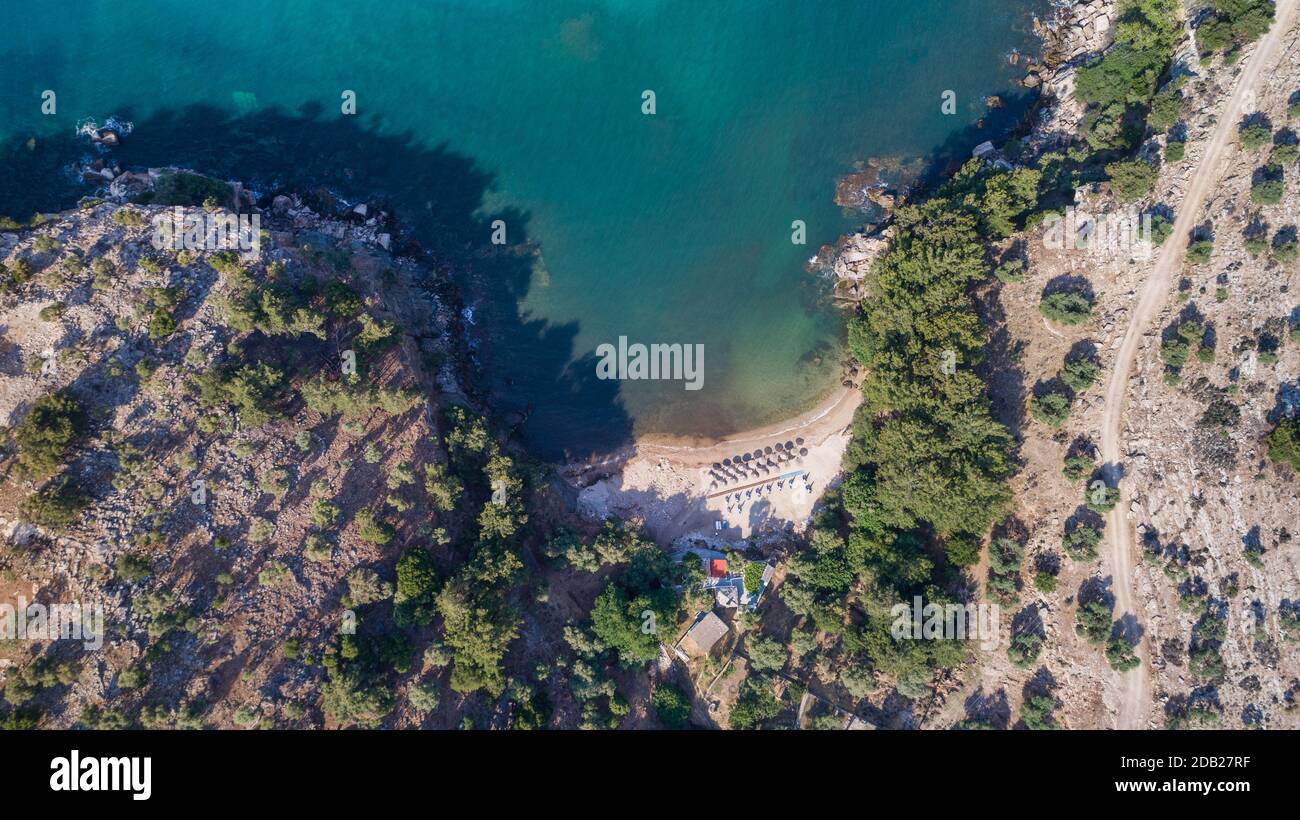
x=524 y=365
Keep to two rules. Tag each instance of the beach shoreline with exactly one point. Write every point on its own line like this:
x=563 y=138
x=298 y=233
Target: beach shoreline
x=830 y=415
x=671 y=485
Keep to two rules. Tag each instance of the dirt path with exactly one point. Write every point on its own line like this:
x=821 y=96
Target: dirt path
x=1133 y=688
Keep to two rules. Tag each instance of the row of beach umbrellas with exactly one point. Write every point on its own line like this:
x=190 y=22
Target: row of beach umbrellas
x=759 y=463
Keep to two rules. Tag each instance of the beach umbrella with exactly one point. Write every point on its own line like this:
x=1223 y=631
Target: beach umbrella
x=803 y=451
x=799 y=441
x=767 y=450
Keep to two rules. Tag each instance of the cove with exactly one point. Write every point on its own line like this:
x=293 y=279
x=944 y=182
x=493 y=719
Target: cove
x=665 y=227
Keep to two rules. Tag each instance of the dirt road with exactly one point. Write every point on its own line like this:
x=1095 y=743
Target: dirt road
x=1132 y=690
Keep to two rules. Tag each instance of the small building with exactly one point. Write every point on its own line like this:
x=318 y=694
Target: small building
x=703 y=635
x=718 y=568
x=727 y=596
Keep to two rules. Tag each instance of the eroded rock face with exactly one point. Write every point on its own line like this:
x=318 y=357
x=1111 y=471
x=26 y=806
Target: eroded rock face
x=129 y=185
x=849 y=260
x=1075 y=36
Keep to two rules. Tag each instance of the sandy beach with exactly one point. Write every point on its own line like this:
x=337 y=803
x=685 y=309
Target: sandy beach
x=671 y=487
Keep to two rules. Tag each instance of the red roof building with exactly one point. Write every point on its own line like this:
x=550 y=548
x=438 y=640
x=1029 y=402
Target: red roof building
x=718 y=568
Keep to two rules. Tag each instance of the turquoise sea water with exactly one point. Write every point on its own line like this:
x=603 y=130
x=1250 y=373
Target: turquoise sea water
x=671 y=228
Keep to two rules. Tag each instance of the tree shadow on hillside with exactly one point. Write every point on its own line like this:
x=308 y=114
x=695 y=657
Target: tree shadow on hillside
x=1070 y=283
x=1001 y=369
x=991 y=710
x=523 y=367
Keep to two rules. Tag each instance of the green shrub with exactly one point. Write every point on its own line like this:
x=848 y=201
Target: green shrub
x=1036 y=713
x=1045 y=582
x=417 y=583
x=755 y=705
x=443 y=488
x=1079 y=373
x=1081 y=542
x=52 y=311
x=1101 y=498
x=352 y=399
x=1161 y=229
x=1206 y=663
x=342 y=300
x=272 y=574
x=1066 y=308
x=132 y=568
x=423 y=696
x=1166 y=108
x=1011 y=272
x=46 y=433
x=260 y=530
x=1025 y=647
x=1284 y=443
x=1132 y=180
x=1078 y=467
x=250 y=389
x=1198 y=251
x=274 y=481
x=1005 y=557
x=317 y=549
x=1255 y=137
x=373 y=529
x=1175 y=151
x=128 y=218
x=324 y=514
x=1120 y=654
x=672 y=705
x=181 y=188
x=1050 y=408
x=1174 y=352
x=161 y=324
x=1285 y=154
x=1092 y=621
x=1267 y=191
x=766 y=654
x=366 y=587
x=57 y=505
x=133 y=677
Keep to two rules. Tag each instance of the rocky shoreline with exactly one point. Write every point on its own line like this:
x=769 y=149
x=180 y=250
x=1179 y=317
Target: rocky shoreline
x=1075 y=34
